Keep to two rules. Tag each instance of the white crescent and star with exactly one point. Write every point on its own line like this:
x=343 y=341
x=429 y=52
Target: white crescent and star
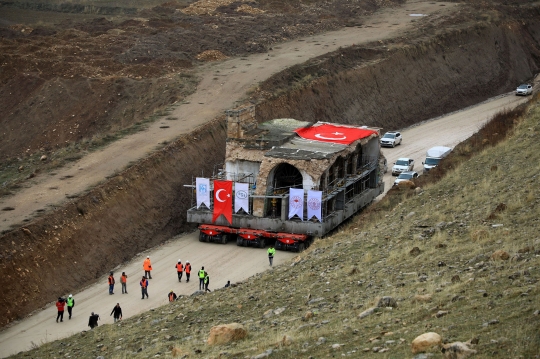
x=342 y=137
x=217 y=195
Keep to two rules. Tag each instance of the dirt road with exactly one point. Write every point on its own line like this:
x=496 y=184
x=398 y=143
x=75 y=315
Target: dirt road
x=446 y=131
x=222 y=85
x=227 y=262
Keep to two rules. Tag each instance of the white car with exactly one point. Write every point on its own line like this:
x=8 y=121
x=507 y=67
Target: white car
x=406 y=176
x=524 y=90
x=391 y=139
x=402 y=165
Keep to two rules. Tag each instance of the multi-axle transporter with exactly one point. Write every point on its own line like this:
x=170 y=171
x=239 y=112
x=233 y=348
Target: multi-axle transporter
x=290 y=181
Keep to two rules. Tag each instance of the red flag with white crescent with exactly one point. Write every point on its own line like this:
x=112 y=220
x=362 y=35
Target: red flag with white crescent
x=327 y=132
x=223 y=200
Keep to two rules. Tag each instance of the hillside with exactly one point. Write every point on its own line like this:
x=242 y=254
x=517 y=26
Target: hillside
x=462 y=57
x=459 y=257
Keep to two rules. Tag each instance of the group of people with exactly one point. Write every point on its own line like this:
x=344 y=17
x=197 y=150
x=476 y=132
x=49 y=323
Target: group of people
x=92 y=321
x=61 y=303
x=204 y=281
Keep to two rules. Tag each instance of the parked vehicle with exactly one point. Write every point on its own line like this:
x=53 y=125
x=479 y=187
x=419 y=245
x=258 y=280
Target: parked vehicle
x=434 y=155
x=391 y=139
x=405 y=176
x=402 y=165
x=524 y=90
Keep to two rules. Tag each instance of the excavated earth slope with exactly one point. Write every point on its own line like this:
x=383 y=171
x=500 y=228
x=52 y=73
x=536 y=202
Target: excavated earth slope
x=392 y=84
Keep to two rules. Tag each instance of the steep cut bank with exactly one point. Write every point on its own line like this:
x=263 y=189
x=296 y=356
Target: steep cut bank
x=394 y=86
x=146 y=204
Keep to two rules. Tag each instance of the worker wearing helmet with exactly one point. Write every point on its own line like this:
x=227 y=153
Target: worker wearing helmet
x=147 y=266
x=179 y=270
x=188 y=270
x=70 y=304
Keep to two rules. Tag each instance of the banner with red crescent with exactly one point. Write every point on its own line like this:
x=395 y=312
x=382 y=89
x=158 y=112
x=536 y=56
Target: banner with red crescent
x=223 y=200
x=326 y=132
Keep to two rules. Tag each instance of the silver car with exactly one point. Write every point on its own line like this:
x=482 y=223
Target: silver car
x=524 y=90
x=391 y=139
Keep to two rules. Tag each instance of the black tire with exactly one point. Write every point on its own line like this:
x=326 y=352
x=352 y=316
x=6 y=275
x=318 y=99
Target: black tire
x=201 y=237
x=224 y=238
x=393 y=144
x=278 y=245
x=262 y=243
x=245 y=242
x=301 y=247
x=239 y=241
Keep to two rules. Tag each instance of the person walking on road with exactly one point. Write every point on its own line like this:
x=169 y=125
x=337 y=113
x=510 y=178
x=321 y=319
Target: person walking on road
x=123 y=280
x=202 y=274
x=70 y=304
x=179 y=270
x=144 y=287
x=271 y=252
x=147 y=266
x=206 y=282
x=111 y=284
x=117 y=312
x=172 y=296
x=188 y=270
x=60 y=304
x=93 y=320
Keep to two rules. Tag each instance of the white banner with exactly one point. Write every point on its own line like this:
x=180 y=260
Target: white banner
x=203 y=191
x=314 y=200
x=241 y=197
x=296 y=203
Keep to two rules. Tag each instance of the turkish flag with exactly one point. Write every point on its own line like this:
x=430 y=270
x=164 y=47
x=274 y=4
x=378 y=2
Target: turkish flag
x=223 y=200
x=327 y=132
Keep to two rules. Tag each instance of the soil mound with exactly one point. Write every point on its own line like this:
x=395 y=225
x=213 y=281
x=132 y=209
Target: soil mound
x=211 y=55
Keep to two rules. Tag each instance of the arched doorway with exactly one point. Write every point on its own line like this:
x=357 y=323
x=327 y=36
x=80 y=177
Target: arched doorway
x=287 y=176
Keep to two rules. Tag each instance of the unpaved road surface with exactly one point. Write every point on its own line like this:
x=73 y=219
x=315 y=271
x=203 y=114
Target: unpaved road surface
x=445 y=131
x=223 y=262
x=222 y=85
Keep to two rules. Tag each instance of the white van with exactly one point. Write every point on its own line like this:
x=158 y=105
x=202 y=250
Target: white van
x=434 y=155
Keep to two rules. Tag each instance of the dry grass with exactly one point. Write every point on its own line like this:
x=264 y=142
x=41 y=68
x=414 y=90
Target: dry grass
x=450 y=222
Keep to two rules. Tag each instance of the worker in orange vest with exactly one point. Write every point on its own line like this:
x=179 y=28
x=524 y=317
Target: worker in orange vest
x=111 y=284
x=188 y=270
x=147 y=266
x=179 y=270
x=60 y=304
x=123 y=279
x=144 y=287
x=172 y=296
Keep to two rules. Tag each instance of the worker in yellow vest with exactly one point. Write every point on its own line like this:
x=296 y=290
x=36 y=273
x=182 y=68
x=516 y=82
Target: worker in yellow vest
x=202 y=274
x=271 y=252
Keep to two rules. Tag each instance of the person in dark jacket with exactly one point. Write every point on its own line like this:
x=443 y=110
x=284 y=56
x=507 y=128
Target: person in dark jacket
x=93 y=320
x=228 y=284
x=117 y=312
x=172 y=296
x=206 y=282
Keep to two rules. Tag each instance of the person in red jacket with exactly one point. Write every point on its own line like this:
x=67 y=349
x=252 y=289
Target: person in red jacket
x=179 y=270
x=188 y=270
x=60 y=304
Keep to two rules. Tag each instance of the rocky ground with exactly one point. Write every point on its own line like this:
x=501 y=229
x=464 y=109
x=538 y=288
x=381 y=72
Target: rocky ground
x=458 y=258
